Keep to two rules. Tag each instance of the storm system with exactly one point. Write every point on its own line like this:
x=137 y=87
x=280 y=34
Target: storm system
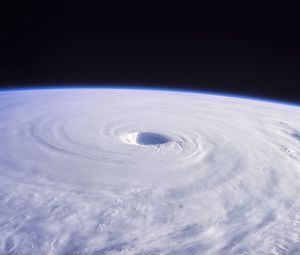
x=158 y=172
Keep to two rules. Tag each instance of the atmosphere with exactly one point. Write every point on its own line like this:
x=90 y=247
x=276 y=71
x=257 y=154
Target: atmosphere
x=217 y=48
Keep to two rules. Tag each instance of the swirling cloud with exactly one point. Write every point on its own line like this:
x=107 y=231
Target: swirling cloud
x=115 y=171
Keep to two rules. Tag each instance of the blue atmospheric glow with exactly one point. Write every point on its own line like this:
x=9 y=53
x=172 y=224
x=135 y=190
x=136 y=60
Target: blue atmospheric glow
x=153 y=88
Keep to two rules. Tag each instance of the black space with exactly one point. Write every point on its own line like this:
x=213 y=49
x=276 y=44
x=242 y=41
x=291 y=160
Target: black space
x=216 y=48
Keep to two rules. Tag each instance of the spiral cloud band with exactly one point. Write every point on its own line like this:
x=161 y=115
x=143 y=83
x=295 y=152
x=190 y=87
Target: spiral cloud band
x=116 y=171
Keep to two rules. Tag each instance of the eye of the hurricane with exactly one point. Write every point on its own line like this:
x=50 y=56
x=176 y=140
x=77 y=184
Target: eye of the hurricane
x=147 y=138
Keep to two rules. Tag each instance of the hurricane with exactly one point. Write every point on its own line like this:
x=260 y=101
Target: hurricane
x=146 y=172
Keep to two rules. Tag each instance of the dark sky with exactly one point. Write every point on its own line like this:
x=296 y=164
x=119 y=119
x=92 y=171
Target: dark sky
x=231 y=49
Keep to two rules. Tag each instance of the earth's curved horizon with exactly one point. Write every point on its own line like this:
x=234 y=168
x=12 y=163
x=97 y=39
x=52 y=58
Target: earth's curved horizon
x=147 y=171
x=241 y=95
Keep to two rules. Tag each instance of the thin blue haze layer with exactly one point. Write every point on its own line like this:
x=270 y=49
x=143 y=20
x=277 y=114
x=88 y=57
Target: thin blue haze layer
x=128 y=87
